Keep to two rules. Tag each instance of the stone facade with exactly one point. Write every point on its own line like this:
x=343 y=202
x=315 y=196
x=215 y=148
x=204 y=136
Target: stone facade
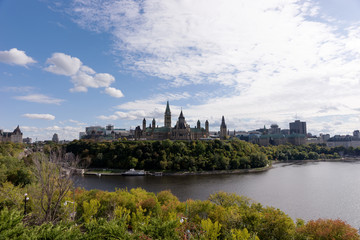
x=181 y=130
x=15 y=136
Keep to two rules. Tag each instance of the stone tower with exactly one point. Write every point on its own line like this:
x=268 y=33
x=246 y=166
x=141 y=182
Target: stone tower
x=207 y=127
x=223 y=131
x=198 y=126
x=153 y=123
x=144 y=124
x=167 y=116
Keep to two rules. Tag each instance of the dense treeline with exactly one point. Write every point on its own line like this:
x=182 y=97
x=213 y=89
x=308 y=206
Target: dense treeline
x=169 y=155
x=54 y=209
x=310 y=151
x=195 y=155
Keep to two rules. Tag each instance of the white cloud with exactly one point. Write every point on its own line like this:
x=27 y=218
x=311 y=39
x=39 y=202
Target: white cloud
x=15 y=57
x=152 y=107
x=83 y=77
x=40 y=98
x=17 y=89
x=39 y=116
x=63 y=64
x=78 y=123
x=114 y=92
x=276 y=58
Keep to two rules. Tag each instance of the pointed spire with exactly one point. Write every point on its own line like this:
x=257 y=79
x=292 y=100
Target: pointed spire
x=167 y=111
x=223 y=122
x=181 y=114
x=17 y=130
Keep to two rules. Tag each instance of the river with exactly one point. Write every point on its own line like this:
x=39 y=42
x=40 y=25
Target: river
x=308 y=190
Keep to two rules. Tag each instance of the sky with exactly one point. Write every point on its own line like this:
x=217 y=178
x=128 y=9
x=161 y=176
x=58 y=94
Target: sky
x=65 y=65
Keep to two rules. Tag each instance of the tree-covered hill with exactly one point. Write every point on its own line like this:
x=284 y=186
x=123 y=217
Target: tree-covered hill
x=169 y=155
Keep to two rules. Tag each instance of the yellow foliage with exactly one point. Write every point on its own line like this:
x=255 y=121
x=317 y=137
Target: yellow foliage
x=90 y=209
x=238 y=234
x=122 y=213
x=212 y=230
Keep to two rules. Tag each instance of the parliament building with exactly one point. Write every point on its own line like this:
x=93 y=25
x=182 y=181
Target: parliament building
x=181 y=130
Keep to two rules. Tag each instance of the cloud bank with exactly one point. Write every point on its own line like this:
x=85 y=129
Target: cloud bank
x=15 y=57
x=40 y=98
x=277 y=59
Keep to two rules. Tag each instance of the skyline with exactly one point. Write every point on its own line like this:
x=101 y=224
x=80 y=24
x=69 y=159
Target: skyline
x=68 y=65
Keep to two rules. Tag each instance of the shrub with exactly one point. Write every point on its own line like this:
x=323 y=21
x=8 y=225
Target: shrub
x=327 y=229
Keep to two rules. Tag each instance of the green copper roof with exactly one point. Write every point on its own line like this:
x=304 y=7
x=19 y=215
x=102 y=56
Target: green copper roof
x=162 y=129
x=197 y=129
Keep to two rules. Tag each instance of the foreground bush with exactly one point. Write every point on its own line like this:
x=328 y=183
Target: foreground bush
x=137 y=214
x=327 y=229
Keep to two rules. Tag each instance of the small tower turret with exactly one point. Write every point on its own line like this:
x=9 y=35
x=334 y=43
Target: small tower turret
x=144 y=124
x=198 y=126
x=153 y=123
x=207 y=127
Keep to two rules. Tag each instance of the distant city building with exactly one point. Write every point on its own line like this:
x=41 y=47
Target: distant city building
x=274 y=129
x=277 y=139
x=272 y=136
x=263 y=130
x=285 y=131
x=356 y=134
x=55 y=138
x=298 y=127
x=181 y=130
x=15 y=136
x=344 y=141
x=317 y=140
x=27 y=140
x=82 y=134
x=324 y=137
x=99 y=133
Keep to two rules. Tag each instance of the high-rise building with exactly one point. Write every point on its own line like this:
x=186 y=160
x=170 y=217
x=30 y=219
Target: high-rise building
x=298 y=127
x=55 y=138
x=356 y=134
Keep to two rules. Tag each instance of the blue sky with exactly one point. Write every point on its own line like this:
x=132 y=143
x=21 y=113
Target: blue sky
x=65 y=65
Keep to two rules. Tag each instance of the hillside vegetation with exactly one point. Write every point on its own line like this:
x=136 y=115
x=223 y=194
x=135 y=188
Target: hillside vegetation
x=194 y=155
x=56 y=210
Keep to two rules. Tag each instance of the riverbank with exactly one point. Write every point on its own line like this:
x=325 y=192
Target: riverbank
x=118 y=172
x=345 y=159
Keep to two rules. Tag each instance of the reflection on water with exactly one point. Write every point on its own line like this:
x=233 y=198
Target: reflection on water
x=309 y=190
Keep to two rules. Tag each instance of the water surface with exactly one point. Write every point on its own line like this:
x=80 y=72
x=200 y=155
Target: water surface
x=309 y=190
